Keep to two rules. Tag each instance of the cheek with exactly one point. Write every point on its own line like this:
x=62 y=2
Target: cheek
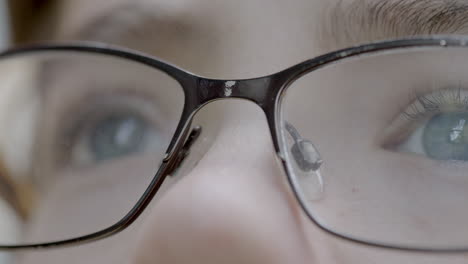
x=79 y=202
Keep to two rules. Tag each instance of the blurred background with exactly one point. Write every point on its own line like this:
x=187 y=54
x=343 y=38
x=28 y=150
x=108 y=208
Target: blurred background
x=25 y=21
x=20 y=24
x=5 y=23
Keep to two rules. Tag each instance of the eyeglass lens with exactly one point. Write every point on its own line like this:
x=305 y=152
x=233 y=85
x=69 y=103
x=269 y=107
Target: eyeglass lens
x=390 y=131
x=82 y=136
x=376 y=146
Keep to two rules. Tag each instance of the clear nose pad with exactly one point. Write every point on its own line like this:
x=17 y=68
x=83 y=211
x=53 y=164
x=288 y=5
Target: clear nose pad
x=305 y=164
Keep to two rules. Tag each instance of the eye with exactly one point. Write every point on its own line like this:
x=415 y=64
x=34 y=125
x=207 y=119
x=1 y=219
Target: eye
x=442 y=137
x=436 y=126
x=120 y=127
x=445 y=136
x=117 y=135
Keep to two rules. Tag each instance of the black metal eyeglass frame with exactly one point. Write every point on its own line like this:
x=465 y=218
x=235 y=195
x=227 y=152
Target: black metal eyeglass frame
x=264 y=91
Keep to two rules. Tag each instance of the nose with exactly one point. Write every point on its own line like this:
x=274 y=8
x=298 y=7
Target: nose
x=233 y=207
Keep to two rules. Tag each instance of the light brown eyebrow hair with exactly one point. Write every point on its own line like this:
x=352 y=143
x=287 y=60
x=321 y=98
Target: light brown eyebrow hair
x=130 y=23
x=343 y=23
x=352 y=22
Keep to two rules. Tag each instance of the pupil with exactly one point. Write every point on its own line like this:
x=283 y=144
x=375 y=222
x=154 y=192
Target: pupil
x=117 y=136
x=445 y=136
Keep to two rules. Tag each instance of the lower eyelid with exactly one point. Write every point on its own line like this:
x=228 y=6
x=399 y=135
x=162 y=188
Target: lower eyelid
x=429 y=167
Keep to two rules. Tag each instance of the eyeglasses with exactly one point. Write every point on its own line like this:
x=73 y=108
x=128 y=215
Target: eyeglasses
x=373 y=139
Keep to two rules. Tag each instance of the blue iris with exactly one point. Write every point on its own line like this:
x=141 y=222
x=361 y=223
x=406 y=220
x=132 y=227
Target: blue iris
x=117 y=136
x=445 y=136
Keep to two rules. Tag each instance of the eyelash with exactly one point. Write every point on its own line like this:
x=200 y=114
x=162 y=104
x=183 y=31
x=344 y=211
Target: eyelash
x=436 y=102
x=420 y=107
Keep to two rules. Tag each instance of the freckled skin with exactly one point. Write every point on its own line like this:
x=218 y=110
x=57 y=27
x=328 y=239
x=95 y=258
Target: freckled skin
x=234 y=205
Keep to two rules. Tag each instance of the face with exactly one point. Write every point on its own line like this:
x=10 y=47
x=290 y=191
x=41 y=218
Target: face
x=230 y=201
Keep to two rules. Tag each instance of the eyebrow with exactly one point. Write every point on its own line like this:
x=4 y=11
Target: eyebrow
x=122 y=21
x=353 y=22
x=343 y=23
x=129 y=23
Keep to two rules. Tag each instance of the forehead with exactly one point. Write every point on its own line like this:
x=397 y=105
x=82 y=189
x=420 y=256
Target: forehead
x=75 y=13
x=223 y=39
x=248 y=38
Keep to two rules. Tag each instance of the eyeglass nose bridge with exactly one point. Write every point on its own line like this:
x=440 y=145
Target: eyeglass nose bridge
x=262 y=91
x=200 y=91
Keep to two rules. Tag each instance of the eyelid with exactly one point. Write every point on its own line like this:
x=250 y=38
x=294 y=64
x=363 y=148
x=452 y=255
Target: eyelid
x=91 y=96
x=442 y=100
x=424 y=106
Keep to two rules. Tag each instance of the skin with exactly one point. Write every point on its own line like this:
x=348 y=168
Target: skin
x=230 y=202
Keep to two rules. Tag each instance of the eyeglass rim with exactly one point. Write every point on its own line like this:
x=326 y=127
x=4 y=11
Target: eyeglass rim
x=272 y=89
